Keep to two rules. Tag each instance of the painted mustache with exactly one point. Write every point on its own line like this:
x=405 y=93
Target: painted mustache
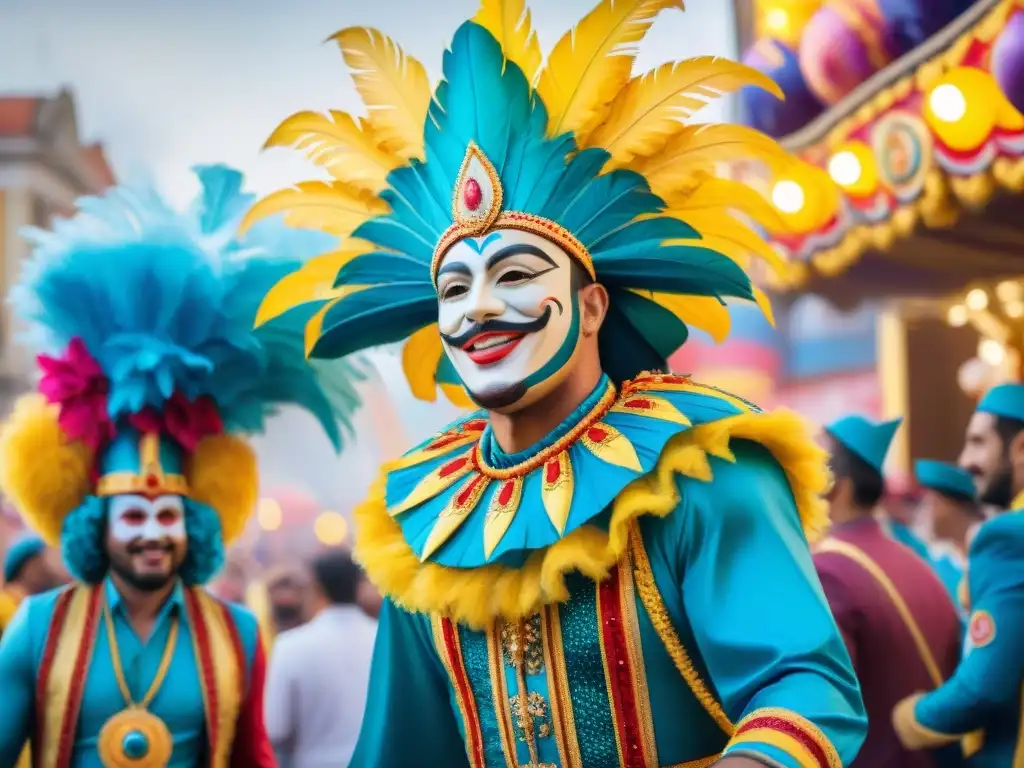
x=140 y=547
x=494 y=327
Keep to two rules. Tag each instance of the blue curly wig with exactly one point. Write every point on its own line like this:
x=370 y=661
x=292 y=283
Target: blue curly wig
x=83 y=542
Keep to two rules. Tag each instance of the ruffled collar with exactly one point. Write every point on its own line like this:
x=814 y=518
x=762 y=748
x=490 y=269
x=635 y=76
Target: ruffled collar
x=462 y=502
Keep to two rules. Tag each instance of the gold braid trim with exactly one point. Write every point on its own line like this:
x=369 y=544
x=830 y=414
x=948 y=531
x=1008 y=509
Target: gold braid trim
x=476 y=596
x=643 y=578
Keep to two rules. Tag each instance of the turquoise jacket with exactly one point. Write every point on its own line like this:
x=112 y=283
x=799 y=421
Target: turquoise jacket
x=727 y=644
x=982 y=701
x=179 y=702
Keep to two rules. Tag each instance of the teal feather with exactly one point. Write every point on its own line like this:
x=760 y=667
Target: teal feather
x=380 y=314
x=638 y=236
x=383 y=267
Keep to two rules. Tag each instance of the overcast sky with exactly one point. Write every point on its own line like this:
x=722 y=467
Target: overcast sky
x=167 y=84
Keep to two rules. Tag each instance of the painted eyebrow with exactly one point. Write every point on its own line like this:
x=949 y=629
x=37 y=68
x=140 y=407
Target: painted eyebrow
x=516 y=249
x=455 y=266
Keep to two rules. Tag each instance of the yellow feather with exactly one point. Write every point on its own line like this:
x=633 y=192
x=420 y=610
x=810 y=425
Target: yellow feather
x=712 y=193
x=703 y=312
x=765 y=304
x=394 y=87
x=314 y=281
x=593 y=62
x=457 y=396
x=509 y=21
x=420 y=357
x=650 y=108
x=330 y=206
x=345 y=147
x=699 y=148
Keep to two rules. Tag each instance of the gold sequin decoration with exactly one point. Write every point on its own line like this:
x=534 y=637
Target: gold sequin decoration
x=536 y=716
x=532 y=653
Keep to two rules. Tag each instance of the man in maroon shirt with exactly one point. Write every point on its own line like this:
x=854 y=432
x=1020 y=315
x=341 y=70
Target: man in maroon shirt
x=899 y=623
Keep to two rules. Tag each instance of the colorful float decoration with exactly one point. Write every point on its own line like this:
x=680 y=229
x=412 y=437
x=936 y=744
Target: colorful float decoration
x=900 y=113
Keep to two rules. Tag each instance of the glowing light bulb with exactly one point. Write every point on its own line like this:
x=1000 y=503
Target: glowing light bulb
x=330 y=528
x=992 y=352
x=844 y=168
x=957 y=315
x=777 y=20
x=977 y=300
x=1009 y=290
x=948 y=103
x=269 y=515
x=788 y=196
x=1015 y=309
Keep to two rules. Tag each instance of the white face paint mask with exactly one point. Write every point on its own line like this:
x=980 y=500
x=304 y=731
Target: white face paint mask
x=508 y=315
x=136 y=518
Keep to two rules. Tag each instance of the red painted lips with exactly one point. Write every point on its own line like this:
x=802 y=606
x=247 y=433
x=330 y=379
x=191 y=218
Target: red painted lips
x=492 y=347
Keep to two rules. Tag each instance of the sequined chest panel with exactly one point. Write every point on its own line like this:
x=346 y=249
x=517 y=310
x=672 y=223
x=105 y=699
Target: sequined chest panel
x=520 y=706
x=565 y=688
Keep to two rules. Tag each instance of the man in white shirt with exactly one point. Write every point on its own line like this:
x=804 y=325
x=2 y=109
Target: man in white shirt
x=319 y=672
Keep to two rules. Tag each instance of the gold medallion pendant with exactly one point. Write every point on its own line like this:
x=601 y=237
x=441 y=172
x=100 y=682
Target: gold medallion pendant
x=135 y=738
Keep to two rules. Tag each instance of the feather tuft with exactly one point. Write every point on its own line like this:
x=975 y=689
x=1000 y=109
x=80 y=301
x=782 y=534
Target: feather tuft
x=331 y=206
x=652 y=107
x=394 y=87
x=344 y=146
x=593 y=61
x=510 y=23
x=696 y=150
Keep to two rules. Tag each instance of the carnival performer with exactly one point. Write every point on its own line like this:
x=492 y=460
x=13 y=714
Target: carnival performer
x=132 y=458
x=899 y=623
x=603 y=565
x=951 y=506
x=980 y=706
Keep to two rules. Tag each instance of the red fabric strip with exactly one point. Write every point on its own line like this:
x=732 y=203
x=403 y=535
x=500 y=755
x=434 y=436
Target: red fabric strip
x=464 y=692
x=205 y=666
x=620 y=672
x=783 y=725
x=70 y=721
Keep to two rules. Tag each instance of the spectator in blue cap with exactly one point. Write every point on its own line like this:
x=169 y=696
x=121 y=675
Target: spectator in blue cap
x=26 y=571
x=951 y=507
x=981 y=703
x=994 y=447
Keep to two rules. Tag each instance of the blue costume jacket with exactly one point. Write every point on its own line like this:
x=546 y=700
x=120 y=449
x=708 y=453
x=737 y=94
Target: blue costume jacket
x=676 y=616
x=180 y=702
x=981 y=703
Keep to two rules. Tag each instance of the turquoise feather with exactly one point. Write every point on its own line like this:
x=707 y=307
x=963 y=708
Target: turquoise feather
x=165 y=302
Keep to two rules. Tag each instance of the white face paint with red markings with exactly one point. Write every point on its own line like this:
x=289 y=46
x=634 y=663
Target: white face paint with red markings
x=136 y=518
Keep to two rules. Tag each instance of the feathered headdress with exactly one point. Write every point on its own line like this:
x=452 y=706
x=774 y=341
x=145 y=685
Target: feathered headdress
x=151 y=369
x=602 y=163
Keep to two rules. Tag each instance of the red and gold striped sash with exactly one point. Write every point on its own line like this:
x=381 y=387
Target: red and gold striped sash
x=68 y=654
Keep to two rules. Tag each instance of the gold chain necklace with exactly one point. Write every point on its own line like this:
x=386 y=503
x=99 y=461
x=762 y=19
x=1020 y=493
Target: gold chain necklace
x=135 y=737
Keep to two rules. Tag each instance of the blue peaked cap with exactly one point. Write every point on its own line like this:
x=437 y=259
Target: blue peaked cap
x=1006 y=400
x=19 y=553
x=944 y=477
x=870 y=440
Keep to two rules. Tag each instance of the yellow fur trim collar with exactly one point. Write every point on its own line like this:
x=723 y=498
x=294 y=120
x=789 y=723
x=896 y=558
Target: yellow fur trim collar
x=476 y=596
